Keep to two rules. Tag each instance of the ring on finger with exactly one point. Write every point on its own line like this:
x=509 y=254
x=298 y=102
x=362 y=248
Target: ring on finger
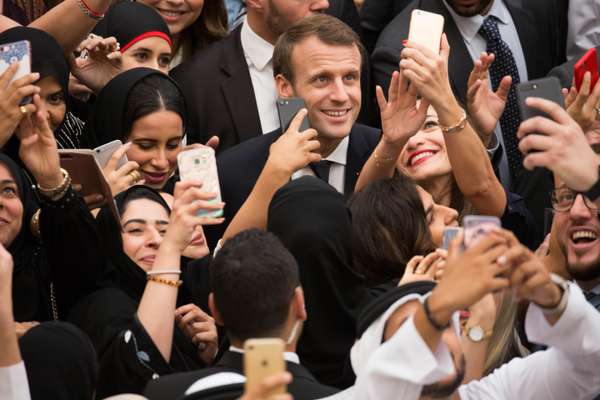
x=23 y=110
x=135 y=176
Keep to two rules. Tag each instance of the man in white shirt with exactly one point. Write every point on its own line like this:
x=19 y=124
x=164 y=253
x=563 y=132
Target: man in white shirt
x=420 y=356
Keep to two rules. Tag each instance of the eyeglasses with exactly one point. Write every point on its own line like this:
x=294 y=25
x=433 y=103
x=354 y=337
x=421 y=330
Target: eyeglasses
x=563 y=200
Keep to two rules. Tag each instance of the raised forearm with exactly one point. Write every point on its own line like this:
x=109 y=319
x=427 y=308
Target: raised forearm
x=70 y=14
x=380 y=165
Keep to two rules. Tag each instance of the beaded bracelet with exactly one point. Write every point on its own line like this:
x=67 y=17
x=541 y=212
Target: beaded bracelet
x=89 y=12
x=168 y=282
x=429 y=317
x=59 y=191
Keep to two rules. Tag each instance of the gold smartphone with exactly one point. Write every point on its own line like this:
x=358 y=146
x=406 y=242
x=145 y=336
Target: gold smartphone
x=426 y=29
x=263 y=358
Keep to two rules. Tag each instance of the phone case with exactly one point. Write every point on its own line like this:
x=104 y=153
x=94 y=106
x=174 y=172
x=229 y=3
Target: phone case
x=287 y=109
x=106 y=151
x=263 y=358
x=477 y=226
x=546 y=88
x=449 y=235
x=17 y=52
x=589 y=62
x=426 y=29
x=201 y=164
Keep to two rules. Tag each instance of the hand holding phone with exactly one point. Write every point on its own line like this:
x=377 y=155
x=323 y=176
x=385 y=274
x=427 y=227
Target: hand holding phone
x=587 y=63
x=426 y=29
x=20 y=53
x=288 y=108
x=106 y=151
x=546 y=88
x=263 y=358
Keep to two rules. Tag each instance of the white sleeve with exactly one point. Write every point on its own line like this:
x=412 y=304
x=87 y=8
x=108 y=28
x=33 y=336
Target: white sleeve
x=584 y=30
x=567 y=370
x=401 y=366
x=13 y=383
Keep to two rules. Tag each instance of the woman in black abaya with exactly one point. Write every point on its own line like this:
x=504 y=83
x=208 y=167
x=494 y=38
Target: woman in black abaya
x=313 y=222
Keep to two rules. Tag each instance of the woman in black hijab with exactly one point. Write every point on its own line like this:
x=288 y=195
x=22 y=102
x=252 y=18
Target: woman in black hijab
x=145 y=40
x=128 y=334
x=48 y=60
x=145 y=107
x=311 y=219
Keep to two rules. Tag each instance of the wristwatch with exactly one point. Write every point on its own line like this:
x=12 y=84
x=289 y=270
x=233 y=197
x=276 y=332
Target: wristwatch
x=594 y=192
x=477 y=334
x=562 y=304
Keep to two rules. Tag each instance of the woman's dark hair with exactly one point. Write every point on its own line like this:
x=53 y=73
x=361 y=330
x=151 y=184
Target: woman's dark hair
x=142 y=192
x=210 y=26
x=153 y=93
x=389 y=228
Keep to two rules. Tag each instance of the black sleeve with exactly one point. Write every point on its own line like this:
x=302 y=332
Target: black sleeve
x=72 y=246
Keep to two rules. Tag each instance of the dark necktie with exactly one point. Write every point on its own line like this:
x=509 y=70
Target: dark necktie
x=593 y=299
x=321 y=169
x=504 y=65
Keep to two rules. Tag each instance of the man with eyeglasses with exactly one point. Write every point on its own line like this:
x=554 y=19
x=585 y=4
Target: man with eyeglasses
x=561 y=146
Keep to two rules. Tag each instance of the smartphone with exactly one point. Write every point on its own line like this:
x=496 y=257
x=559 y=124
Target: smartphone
x=546 y=88
x=449 y=235
x=477 y=226
x=106 y=151
x=426 y=29
x=85 y=171
x=288 y=108
x=19 y=52
x=263 y=358
x=201 y=164
x=589 y=62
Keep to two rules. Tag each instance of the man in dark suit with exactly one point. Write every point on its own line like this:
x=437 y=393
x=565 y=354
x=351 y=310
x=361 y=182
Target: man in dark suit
x=229 y=86
x=526 y=44
x=319 y=60
x=375 y=16
x=256 y=293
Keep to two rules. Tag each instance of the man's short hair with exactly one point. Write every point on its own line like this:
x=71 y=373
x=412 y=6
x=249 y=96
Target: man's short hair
x=253 y=280
x=326 y=28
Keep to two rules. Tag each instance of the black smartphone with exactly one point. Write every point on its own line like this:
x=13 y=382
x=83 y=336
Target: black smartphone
x=546 y=88
x=288 y=108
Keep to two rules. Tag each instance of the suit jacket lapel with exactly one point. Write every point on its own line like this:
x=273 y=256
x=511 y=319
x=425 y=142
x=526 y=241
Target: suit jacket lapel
x=238 y=91
x=358 y=153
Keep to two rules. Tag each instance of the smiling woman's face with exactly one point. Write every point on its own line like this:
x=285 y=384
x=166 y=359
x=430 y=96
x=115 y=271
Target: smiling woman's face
x=424 y=156
x=11 y=208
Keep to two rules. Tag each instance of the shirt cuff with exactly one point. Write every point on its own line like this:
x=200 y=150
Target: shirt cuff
x=493 y=146
x=13 y=382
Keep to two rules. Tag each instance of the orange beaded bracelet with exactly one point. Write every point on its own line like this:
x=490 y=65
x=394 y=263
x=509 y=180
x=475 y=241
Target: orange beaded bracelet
x=169 y=282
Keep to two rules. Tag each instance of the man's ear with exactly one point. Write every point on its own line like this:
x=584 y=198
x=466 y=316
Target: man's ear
x=299 y=305
x=213 y=310
x=284 y=87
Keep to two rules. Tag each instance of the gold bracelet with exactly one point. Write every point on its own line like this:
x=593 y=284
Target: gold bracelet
x=59 y=191
x=460 y=125
x=34 y=224
x=379 y=159
x=169 y=282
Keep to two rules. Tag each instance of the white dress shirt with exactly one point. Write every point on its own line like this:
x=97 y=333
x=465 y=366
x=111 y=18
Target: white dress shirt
x=476 y=44
x=337 y=170
x=259 y=57
x=13 y=383
x=398 y=368
x=584 y=29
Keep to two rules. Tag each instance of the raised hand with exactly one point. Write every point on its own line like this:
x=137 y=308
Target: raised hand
x=102 y=61
x=189 y=200
x=11 y=95
x=200 y=328
x=400 y=116
x=294 y=150
x=583 y=105
x=485 y=106
x=38 y=149
x=121 y=179
x=422 y=268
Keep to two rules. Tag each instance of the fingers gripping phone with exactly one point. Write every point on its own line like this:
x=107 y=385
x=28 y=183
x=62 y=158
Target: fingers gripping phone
x=426 y=29
x=288 y=108
x=19 y=52
x=106 y=151
x=546 y=88
x=201 y=164
x=478 y=226
x=589 y=62
x=263 y=358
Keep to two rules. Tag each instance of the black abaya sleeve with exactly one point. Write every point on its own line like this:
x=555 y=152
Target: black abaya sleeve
x=71 y=241
x=127 y=355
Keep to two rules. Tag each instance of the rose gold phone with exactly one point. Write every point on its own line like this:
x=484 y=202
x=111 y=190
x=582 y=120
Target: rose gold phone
x=426 y=29
x=263 y=358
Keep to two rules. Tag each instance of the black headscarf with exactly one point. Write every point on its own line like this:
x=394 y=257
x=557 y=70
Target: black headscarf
x=47 y=59
x=313 y=222
x=106 y=121
x=30 y=292
x=124 y=271
x=131 y=22
x=60 y=361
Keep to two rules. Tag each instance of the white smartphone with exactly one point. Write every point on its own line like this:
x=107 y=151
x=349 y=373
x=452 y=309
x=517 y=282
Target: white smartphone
x=201 y=164
x=263 y=358
x=105 y=152
x=477 y=226
x=426 y=29
x=19 y=52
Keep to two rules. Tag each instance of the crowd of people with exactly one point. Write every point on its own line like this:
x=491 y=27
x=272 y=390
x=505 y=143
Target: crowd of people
x=332 y=238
